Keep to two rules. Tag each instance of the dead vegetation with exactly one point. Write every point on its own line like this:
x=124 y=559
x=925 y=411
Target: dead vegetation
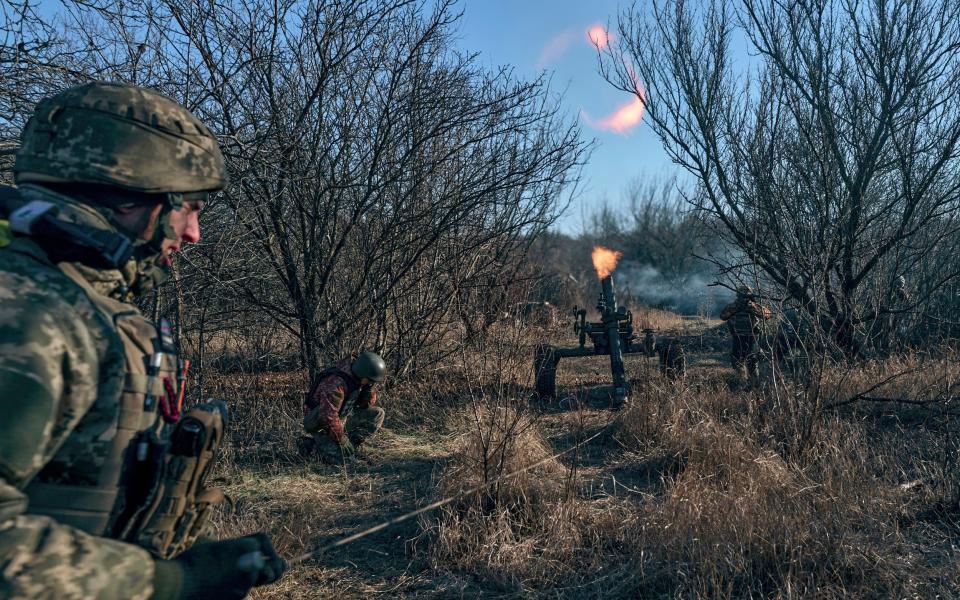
x=698 y=489
x=708 y=505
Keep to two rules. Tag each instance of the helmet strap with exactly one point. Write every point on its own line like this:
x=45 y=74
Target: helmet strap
x=175 y=200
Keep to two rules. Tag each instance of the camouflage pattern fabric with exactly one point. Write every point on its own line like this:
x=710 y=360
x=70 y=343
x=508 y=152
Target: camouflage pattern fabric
x=60 y=364
x=322 y=410
x=743 y=317
x=119 y=135
x=361 y=424
x=743 y=353
x=43 y=559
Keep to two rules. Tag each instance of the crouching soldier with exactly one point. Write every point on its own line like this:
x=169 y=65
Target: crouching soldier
x=340 y=408
x=743 y=317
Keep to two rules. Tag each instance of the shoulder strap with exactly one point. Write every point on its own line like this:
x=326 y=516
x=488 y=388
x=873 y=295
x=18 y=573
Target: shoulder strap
x=64 y=239
x=347 y=379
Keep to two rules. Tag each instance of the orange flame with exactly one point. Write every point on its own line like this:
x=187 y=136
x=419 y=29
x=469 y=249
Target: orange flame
x=605 y=260
x=624 y=118
x=598 y=36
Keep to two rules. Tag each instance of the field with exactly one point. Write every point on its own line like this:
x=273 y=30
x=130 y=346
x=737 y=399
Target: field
x=703 y=487
x=422 y=178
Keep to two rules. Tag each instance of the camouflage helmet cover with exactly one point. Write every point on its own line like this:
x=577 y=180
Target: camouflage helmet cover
x=119 y=135
x=369 y=365
x=744 y=290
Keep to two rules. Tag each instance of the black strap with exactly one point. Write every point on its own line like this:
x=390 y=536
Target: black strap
x=64 y=241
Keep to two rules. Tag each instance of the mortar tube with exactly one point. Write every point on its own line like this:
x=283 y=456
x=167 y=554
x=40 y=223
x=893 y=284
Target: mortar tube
x=612 y=325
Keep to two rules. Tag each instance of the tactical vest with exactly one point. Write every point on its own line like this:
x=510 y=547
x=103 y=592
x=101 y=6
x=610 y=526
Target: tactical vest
x=123 y=472
x=743 y=323
x=349 y=398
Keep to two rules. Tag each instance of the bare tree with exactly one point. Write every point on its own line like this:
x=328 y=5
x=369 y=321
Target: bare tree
x=831 y=161
x=46 y=46
x=664 y=244
x=385 y=188
x=378 y=176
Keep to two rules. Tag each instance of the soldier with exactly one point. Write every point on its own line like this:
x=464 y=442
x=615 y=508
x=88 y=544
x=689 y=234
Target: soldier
x=340 y=408
x=743 y=317
x=92 y=505
x=894 y=330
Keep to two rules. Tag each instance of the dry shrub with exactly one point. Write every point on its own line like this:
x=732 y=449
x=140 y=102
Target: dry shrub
x=266 y=418
x=494 y=369
x=496 y=531
x=736 y=517
x=915 y=378
x=503 y=441
x=725 y=512
x=738 y=521
x=729 y=517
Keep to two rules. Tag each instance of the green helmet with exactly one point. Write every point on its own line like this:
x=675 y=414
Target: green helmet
x=119 y=135
x=745 y=291
x=369 y=365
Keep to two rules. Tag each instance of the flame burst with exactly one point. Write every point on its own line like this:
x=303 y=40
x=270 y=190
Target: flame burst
x=598 y=36
x=624 y=118
x=605 y=260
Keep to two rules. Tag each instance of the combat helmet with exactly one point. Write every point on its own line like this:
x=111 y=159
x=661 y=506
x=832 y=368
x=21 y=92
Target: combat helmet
x=369 y=365
x=119 y=135
x=744 y=291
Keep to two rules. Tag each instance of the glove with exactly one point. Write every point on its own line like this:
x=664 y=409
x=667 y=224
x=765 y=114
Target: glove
x=347 y=447
x=226 y=569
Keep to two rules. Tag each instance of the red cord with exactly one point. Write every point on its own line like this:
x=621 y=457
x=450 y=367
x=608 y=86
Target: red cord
x=168 y=406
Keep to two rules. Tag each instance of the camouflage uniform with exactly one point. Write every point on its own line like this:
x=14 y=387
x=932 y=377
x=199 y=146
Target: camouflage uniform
x=743 y=317
x=61 y=375
x=337 y=406
x=73 y=352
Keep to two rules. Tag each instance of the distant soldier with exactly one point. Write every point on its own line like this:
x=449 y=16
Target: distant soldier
x=101 y=481
x=743 y=317
x=340 y=408
x=895 y=335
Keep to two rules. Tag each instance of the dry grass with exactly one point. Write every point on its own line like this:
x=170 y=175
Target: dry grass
x=914 y=378
x=497 y=522
x=645 y=317
x=714 y=507
x=699 y=489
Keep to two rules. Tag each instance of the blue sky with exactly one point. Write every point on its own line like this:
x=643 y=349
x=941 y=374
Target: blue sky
x=551 y=36
x=538 y=35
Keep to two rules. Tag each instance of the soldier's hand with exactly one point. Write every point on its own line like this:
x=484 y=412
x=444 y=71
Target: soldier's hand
x=225 y=569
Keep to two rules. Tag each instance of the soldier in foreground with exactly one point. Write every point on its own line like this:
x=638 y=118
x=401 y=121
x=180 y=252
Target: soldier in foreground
x=743 y=317
x=340 y=408
x=101 y=479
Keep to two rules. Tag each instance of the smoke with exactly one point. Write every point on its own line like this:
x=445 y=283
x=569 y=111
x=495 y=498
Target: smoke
x=687 y=294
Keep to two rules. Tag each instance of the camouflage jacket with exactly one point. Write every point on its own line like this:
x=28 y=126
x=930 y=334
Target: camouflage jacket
x=326 y=398
x=743 y=316
x=61 y=374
